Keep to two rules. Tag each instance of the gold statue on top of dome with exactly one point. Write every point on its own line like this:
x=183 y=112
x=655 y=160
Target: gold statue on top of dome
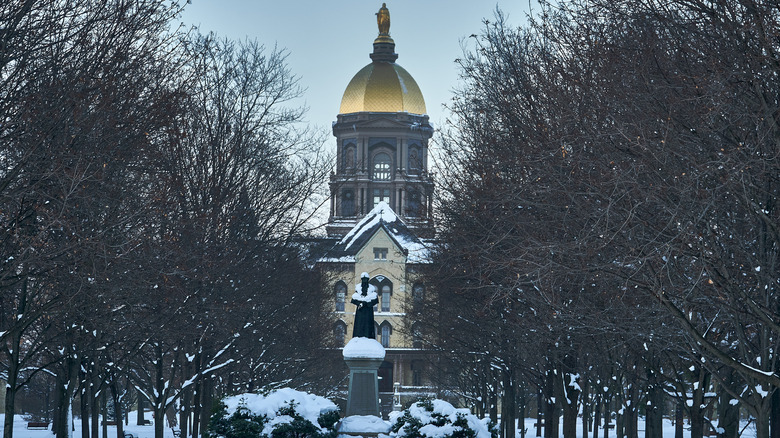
x=383 y=20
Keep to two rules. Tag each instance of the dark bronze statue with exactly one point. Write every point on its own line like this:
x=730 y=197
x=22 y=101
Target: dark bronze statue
x=364 y=315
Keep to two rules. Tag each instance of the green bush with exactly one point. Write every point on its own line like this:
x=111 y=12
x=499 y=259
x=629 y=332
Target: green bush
x=244 y=424
x=437 y=418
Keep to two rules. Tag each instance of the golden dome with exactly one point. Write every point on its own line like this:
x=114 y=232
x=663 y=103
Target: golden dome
x=382 y=87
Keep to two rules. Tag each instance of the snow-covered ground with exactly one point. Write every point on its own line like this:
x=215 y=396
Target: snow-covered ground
x=20 y=430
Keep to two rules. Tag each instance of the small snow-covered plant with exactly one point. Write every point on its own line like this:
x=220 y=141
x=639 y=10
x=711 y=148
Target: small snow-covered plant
x=283 y=413
x=327 y=420
x=293 y=425
x=437 y=419
x=242 y=423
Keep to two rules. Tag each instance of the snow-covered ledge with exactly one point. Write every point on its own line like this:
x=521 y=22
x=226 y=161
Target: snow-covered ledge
x=363 y=425
x=364 y=348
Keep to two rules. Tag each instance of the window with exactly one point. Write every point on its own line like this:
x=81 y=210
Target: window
x=417 y=369
x=413 y=208
x=340 y=333
x=380 y=253
x=349 y=157
x=418 y=292
x=416 y=336
x=385 y=298
x=414 y=159
x=381 y=168
x=347 y=203
x=386 y=330
x=341 y=295
x=381 y=195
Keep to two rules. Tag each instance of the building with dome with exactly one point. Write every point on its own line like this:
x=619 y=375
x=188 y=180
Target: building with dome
x=381 y=210
x=382 y=134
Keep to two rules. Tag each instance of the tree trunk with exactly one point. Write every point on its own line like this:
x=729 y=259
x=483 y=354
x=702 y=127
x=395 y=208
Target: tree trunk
x=159 y=421
x=697 y=418
x=205 y=415
x=140 y=420
x=585 y=408
x=539 y=411
x=521 y=408
x=596 y=413
x=619 y=417
x=508 y=408
x=550 y=411
x=654 y=415
x=104 y=405
x=631 y=412
x=569 y=397
x=607 y=413
x=198 y=388
x=118 y=414
x=84 y=396
x=774 y=416
x=13 y=366
x=728 y=413
x=63 y=418
x=196 y=408
x=94 y=406
x=493 y=401
x=10 y=387
x=762 y=424
x=679 y=420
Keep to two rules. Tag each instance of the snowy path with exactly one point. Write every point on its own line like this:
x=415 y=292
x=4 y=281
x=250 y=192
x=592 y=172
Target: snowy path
x=20 y=430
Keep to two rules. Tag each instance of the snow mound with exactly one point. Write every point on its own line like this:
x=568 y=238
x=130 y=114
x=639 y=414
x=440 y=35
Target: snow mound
x=364 y=348
x=309 y=406
x=363 y=423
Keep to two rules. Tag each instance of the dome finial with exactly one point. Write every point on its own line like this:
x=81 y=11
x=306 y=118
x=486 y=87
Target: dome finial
x=383 y=20
x=384 y=46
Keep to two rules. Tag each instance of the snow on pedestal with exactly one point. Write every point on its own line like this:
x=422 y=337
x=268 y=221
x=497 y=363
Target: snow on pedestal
x=363 y=348
x=363 y=424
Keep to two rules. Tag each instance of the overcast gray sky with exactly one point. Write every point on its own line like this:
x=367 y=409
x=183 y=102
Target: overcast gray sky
x=329 y=41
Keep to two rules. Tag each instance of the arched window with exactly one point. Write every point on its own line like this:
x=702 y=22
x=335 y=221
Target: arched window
x=341 y=296
x=385 y=330
x=340 y=333
x=415 y=160
x=381 y=167
x=349 y=157
x=418 y=292
x=377 y=331
x=347 y=203
x=386 y=298
x=384 y=288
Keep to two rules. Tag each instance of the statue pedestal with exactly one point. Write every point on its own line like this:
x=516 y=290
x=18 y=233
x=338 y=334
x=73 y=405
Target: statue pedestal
x=363 y=357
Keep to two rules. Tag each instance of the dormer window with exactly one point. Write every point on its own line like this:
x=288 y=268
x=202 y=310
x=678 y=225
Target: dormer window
x=380 y=253
x=381 y=195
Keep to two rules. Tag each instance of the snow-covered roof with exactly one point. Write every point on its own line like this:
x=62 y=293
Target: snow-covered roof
x=382 y=216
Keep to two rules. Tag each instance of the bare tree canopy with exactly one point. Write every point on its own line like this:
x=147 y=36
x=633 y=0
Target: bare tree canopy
x=151 y=181
x=611 y=183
